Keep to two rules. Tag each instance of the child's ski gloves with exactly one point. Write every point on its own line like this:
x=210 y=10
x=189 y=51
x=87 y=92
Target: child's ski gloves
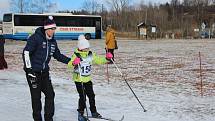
x=76 y=61
x=109 y=56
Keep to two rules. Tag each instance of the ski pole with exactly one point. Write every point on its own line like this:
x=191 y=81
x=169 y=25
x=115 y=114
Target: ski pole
x=128 y=85
x=107 y=68
x=82 y=86
x=108 y=74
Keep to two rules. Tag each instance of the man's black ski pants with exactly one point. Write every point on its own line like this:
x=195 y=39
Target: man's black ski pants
x=43 y=85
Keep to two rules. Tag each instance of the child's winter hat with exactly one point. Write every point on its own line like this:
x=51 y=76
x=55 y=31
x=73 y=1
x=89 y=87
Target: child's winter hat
x=49 y=23
x=83 y=43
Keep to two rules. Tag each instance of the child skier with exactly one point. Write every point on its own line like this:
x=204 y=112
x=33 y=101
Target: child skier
x=81 y=60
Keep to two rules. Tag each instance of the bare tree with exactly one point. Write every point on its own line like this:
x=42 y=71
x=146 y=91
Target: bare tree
x=92 y=6
x=41 y=6
x=118 y=5
x=32 y=6
x=119 y=10
x=197 y=2
x=52 y=7
x=19 y=5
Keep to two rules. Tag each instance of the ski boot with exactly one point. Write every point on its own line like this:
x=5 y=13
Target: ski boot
x=96 y=115
x=81 y=117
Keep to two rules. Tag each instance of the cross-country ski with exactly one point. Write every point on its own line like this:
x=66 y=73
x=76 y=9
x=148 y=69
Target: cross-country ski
x=108 y=119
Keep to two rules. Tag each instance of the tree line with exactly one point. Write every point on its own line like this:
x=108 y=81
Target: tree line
x=176 y=16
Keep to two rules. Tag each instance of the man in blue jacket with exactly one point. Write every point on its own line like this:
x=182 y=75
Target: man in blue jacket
x=40 y=47
x=3 y=63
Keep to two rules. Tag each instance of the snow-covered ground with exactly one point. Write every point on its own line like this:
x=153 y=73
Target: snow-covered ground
x=163 y=73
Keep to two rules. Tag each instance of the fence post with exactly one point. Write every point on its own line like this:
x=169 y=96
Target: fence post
x=200 y=71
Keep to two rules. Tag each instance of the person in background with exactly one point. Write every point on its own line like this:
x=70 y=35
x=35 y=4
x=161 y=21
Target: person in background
x=110 y=41
x=81 y=61
x=3 y=63
x=40 y=47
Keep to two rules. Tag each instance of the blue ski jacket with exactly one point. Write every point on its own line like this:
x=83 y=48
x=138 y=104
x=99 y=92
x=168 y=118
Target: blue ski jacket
x=41 y=50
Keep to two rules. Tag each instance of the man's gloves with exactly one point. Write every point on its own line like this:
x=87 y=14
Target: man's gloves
x=109 y=56
x=31 y=77
x=76 y=61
